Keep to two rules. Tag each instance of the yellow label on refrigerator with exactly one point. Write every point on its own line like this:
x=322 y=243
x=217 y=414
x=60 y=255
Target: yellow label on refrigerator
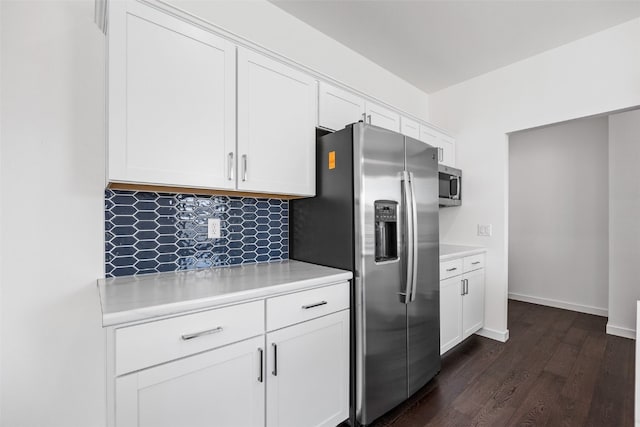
x=332 y=159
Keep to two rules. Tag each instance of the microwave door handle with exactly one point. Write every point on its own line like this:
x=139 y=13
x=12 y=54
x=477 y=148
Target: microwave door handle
x=457 y=179
x=408 y=240
x=414 y=238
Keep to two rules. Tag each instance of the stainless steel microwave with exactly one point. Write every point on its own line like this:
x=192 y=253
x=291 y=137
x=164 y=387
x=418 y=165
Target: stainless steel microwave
x=450 y=186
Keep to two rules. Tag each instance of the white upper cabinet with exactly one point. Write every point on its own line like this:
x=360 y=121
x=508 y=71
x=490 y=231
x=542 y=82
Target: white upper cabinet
x=446 y=144
x=429 y=135
x=337 y=107
x=383 y=117
x=276 y=127
x=171 y=100
x=409 y=127
x=448 y=150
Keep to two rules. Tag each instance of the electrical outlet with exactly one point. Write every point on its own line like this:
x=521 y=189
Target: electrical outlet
x=213 y=228
x=484 y=230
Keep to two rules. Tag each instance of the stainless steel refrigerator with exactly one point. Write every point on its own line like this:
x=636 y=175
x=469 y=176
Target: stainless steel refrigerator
x=376 y=214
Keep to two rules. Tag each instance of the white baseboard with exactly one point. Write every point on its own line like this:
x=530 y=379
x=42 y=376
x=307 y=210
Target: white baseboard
x=619 y=331
x=501 y=336
x=560 y=304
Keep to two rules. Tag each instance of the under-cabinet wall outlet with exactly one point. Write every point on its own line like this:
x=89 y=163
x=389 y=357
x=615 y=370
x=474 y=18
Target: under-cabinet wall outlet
x=213 y=228
x=484 y=230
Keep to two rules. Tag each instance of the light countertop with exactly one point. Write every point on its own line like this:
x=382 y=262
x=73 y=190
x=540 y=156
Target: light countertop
x=458 y=251
x=134 y=298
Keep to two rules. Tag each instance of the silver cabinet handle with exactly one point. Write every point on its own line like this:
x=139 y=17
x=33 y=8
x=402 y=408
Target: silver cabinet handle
x=462 y=287
x=244 y=167
x=369 y=118
x=364 y=117
x=452 y=269
x=275 y=360
x=230 y=166
x=466 y=286
x=215 y=330
x=261 y=356
x=317 y=304
x=475 y=263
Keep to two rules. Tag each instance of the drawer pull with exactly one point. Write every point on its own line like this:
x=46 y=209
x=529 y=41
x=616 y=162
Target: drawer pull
x=261 y=356
x=318 y=304
x=275 y=360
x=475 y=263
x=187 y=337
x=452 y=269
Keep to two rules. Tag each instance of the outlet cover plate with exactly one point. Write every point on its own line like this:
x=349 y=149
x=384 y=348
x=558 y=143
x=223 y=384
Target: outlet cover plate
x=484 y=230
x=213 y=228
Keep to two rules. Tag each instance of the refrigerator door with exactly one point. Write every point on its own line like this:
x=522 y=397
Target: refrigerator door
x=423 y=312
x=381 y=319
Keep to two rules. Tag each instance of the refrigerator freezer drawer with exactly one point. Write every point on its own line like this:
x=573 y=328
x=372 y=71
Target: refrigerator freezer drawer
x=450 y=268
x=301 y=306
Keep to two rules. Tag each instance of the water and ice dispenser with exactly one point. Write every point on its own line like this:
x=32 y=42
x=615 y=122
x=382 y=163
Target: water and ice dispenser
x=386 y=236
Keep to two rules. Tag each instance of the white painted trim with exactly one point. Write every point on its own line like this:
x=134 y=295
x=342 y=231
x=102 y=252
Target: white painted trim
x=493 y=334
x=560 y=304
x=619 y=331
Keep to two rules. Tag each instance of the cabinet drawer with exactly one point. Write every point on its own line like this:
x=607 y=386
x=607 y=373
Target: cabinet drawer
x=300 y=306
x=450 y=268
x=473 y=262
x=149 y=344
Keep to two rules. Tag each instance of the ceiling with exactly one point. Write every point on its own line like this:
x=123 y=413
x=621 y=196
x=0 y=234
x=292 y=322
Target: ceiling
x=436 y=44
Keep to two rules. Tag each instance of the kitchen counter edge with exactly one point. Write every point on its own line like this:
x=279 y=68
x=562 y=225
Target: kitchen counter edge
x=325 y=276
x=448 y=252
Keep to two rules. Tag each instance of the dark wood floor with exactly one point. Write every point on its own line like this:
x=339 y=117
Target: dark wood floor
x=559 y=368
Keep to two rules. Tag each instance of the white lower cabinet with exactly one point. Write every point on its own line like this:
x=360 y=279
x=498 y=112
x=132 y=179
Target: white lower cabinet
x=308 y=379
x=222 y=387
x=473 y=303
x=236 y=366
x=461 y=300
x=450 y=313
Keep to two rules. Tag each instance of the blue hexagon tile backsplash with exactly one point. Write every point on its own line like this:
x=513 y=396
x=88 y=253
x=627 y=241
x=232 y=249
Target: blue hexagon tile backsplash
x=155 y=232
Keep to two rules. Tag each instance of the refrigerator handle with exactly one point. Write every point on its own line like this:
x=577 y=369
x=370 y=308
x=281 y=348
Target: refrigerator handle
x=414 y=237
x=407 y=205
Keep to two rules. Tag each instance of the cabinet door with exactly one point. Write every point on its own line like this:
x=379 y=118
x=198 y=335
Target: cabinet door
x=409 y=128
x=337 y=107
x=448 y=146
x=473 y=303
x=308 y=377
x=224 y=387
x=429 y=135
x=171 y=100
x=383 y=117
x=450 y=313
x=276 y=127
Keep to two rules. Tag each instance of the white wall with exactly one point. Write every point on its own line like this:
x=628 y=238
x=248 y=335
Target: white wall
x=269 y=26
x=624 y=222
x=51 y=199
x=52 y=183
x=558 y=215
x=599 y=73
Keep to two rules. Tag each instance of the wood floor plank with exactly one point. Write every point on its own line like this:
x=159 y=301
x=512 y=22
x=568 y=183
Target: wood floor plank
x=563 y=360
x=536 y=407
